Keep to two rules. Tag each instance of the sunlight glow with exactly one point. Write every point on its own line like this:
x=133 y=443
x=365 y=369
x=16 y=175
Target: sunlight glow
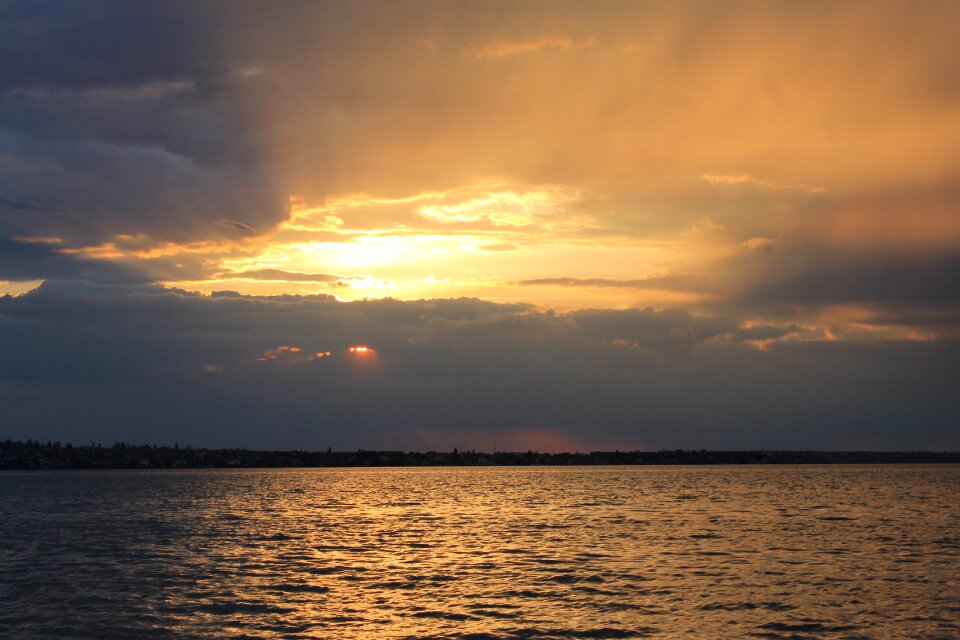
x=18 y=288
x=279 y=352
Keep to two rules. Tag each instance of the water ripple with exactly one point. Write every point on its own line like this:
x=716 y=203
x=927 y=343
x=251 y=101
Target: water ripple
x=482 y=554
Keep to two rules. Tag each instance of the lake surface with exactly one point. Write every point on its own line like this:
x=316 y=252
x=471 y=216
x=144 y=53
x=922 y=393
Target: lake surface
x=488 y=553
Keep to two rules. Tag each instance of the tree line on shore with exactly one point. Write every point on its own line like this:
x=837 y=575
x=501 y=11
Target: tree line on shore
x=33 y=454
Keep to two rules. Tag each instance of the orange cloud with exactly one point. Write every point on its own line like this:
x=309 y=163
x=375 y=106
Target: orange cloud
x=278 y=352
x=504 y=48
x=461 y=155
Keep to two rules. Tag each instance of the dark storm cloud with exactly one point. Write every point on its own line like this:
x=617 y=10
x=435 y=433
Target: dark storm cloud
x=899 y=285
x=21 y=261
x=24 y=206
x=235 y=370
x=892 y=278
x=124 y=118
x=669 y=332
x=103 y=43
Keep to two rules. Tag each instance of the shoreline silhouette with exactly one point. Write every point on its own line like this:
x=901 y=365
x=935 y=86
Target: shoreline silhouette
x=50 y=455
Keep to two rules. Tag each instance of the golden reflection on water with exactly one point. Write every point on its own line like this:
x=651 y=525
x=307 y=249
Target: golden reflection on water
x=773 y=552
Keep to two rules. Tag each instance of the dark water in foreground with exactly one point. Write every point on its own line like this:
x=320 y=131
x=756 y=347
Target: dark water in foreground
x=711 y=552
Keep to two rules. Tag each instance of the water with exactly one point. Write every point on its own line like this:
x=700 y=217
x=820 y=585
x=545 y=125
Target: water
x=711 y=552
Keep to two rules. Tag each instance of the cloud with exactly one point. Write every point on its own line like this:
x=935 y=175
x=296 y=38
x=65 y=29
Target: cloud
x=280 y=275
x=760 y=244
x=486 y=205
x=822 y=274
x=25 y=206
x=745 y=179
x=108 y=142
x=236 y=225
x=156 y=90
x=213 y=125
x=663 y=283
x=507 y=48
x=802 y=201
x=27 y=261
x=243 y=371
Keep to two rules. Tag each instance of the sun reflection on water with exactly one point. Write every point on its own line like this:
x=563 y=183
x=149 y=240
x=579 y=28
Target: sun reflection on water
x=499 y=553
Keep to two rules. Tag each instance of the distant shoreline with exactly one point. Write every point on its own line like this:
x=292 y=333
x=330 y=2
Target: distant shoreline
x=34 y=455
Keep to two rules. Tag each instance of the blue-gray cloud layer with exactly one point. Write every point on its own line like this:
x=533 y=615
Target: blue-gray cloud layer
x=165 y=366
x=123 y=118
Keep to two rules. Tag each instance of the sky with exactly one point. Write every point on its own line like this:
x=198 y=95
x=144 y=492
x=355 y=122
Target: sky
x=549 y=225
